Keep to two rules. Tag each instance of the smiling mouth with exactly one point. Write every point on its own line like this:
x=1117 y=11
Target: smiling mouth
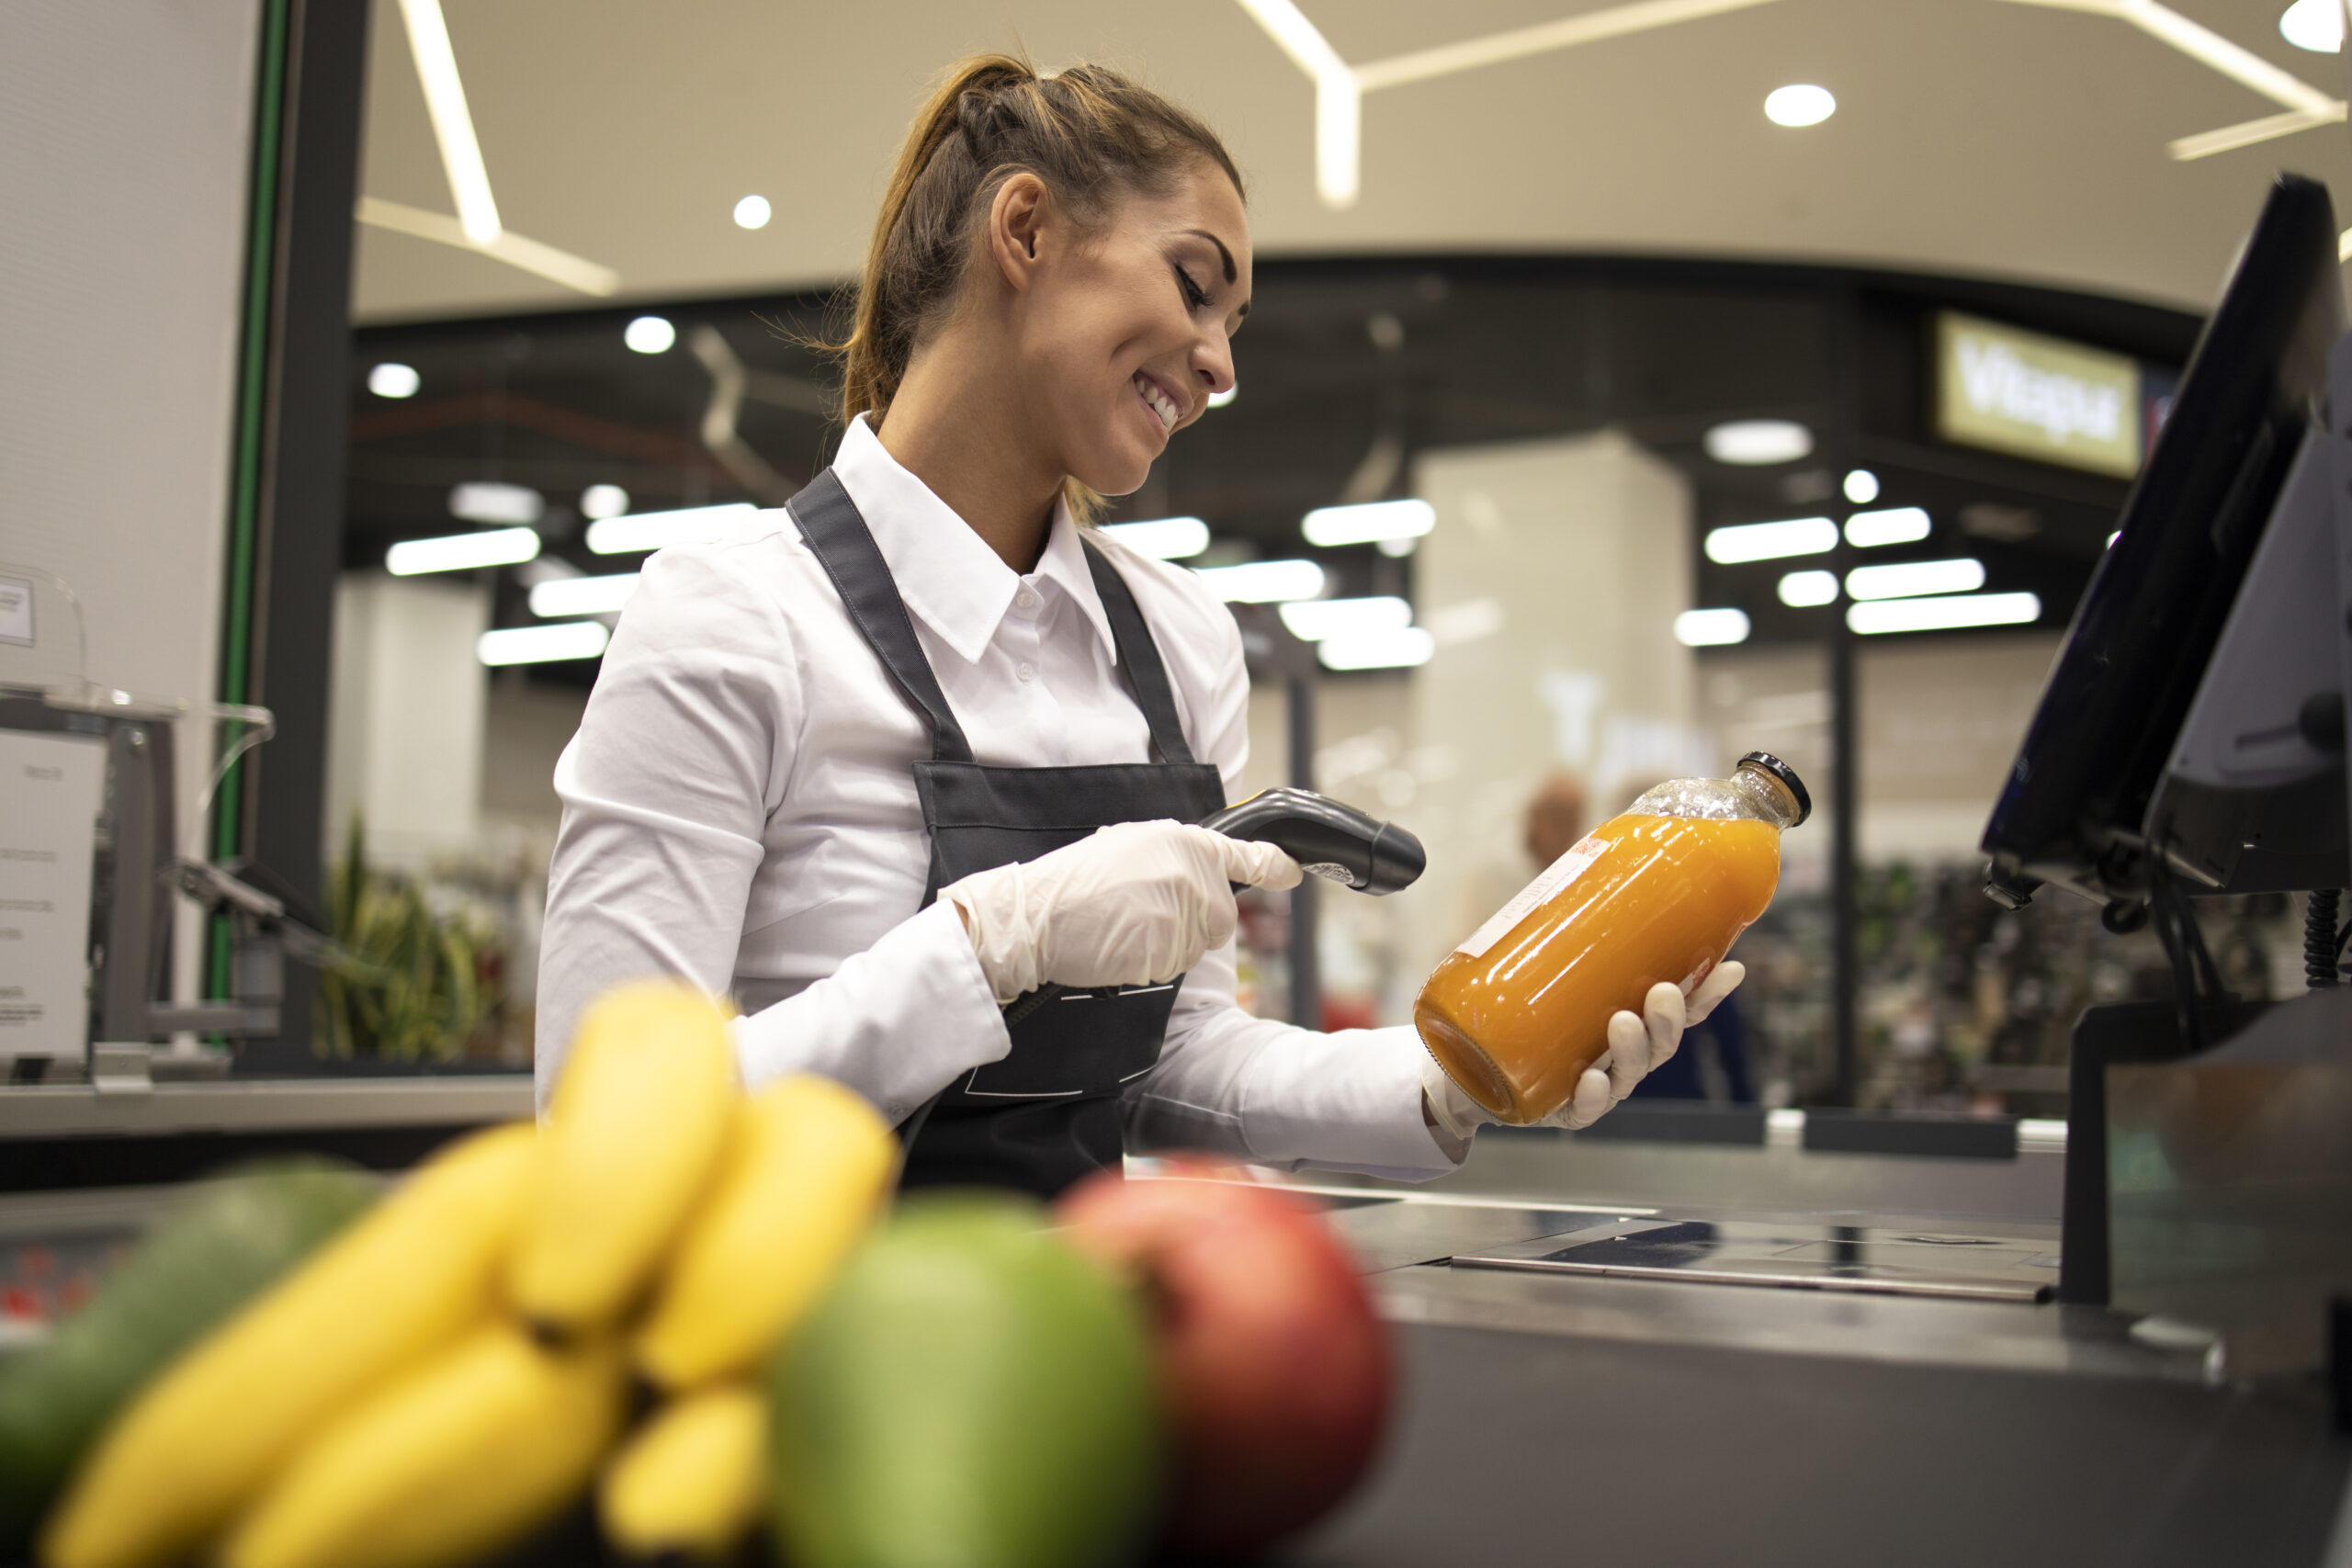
x=1157 y=401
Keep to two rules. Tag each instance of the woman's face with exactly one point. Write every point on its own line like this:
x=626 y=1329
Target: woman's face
x=1129 y=328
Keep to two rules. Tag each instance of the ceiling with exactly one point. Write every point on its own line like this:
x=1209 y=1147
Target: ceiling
x=1974 y=137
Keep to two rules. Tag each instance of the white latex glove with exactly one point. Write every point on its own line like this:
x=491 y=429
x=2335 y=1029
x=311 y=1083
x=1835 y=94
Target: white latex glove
x=1133 y=904
x=1636 y=1046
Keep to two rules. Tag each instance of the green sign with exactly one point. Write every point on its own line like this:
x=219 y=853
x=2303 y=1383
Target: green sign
x=2036 y=396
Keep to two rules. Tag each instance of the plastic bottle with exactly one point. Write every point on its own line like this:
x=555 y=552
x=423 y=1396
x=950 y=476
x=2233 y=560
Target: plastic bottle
x=1522 y=1009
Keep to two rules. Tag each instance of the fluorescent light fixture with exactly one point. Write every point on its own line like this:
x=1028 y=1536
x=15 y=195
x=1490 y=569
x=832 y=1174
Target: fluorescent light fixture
x=542 y=645
x=1752 y=442
x=1397 y=550
x=1162 y=539
x=753 y=212
x=1312 y=620
x=1399 y=647
x=1219 y=399
x=654 y=530
x=1711 y=628
x=1771 y=541
x=583 y=595
x=1914 y=579
x=1873 y=617
x=453 y=127
x=1895 y=526
x=463 y=552
x=389 y=380
x=1264 y=581
x=650 y=335
x=1805 y=589
x=1861 y=487
x=526 y=255
x=1339 y=100
x=1327 y=527
x=2315 y=25
x=1799 y=104
x=599 y=501
x=490 y=500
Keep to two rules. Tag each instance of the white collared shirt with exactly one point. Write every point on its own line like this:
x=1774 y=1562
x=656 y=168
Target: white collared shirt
x=739 y=810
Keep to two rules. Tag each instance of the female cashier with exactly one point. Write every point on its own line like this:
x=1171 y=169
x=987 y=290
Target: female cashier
x=891 y=757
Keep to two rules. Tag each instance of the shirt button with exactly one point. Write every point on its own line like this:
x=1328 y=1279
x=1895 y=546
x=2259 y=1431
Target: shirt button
x=1027 y=671
x=1026 y=600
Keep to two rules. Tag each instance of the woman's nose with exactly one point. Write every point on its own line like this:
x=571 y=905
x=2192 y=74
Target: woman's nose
x=1213 y=363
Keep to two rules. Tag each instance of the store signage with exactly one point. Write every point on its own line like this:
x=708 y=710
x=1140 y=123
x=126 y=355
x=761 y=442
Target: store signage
x=52 y=787
x=2037 y=397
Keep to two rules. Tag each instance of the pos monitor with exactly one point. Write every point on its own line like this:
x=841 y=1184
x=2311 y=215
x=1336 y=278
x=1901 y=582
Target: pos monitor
x=2190 y=735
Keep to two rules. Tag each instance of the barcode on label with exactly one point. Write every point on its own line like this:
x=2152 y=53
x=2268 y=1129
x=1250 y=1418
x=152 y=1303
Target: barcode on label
x=1557 y=876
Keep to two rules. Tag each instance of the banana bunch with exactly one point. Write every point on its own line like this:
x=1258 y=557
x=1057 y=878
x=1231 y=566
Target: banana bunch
x=451 y=1370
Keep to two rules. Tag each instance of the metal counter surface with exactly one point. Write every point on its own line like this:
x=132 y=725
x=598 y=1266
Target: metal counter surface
x=263 y=1105
x=1643 y=1422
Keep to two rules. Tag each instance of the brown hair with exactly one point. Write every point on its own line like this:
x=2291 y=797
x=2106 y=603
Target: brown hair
x=1088 y=133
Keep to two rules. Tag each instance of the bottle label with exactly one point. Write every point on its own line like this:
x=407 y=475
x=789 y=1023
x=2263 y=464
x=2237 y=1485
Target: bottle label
x=1557 y=876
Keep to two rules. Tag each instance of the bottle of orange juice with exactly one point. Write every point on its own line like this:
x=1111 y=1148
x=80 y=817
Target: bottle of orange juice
x=1519 y=1011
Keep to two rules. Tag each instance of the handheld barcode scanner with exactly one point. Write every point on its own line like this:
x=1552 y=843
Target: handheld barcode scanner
x=1333 y=841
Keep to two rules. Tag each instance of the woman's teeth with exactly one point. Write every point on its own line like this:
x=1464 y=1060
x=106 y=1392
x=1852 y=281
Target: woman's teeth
x=1157 y=401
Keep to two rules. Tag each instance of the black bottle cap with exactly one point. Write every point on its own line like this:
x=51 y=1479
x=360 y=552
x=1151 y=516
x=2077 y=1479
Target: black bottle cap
x=1787 y=775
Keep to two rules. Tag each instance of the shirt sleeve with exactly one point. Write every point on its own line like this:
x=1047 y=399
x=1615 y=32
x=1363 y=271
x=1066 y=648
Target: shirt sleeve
x=1256 y=1088
x=686 y=746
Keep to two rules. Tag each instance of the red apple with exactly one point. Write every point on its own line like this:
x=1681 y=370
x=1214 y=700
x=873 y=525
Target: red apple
x=1273 y=1369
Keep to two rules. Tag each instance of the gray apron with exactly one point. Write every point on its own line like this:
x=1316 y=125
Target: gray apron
x=1048 y=1112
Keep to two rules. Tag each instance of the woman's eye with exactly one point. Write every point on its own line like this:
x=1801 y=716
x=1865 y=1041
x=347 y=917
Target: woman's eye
x=1194 y=296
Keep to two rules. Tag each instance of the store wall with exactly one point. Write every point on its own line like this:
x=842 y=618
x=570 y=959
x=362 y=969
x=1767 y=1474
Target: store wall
x=406 y=732
x=123 y=176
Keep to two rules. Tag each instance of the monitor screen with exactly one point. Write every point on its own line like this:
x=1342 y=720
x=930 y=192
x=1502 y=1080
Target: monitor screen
x=2072 y=809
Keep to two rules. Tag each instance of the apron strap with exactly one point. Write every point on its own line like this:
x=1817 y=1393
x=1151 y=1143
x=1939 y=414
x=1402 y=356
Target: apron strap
x=843 y=546
x=1140 y=654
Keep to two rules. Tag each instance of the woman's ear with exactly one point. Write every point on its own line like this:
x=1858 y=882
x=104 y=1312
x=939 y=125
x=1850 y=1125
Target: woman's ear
x=1018 y=218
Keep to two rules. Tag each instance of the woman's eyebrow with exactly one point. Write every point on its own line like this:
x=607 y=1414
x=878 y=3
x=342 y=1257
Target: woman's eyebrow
x=1231 y=272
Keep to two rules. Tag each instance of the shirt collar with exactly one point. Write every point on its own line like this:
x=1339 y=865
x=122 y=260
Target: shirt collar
x=947 y=573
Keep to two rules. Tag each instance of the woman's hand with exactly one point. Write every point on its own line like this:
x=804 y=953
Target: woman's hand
x=1637 y=1045
x=1134 y=904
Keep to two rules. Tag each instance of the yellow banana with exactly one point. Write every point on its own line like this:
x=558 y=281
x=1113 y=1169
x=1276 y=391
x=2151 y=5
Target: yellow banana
x=464 y=1455
x=692 y=1481
x=635 y=1129
x=395 y=1288
x=810 y=1164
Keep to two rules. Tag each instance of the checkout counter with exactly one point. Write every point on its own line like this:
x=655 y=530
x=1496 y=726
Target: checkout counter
x=1733 y=1338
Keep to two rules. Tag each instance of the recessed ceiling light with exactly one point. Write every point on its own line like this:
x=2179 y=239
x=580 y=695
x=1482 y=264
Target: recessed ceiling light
x=1799 y=104
x=1895 y=526
x=493 y=501
x=2315 y=25
x=1711 y=628
x=1917 y=579
x=1771 y=541
x=1373 y=522
x=1400 y=648
x=1219 y=399
x=599 y=501
x=1803 y=589
x=542 y=645
x=463 y=552
x=394 y=380
x=751 y=212
x=1861 y=487
x=1749 y=443
x=650 y=334
x=1873 y=617
x=1264 y=581
x=1162 y=539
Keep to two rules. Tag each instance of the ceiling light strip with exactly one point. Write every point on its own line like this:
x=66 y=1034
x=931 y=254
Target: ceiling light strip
x=2207 y=48
x=2230 y=138
x=1568 y=32
x=529 y=255
x=453 y=127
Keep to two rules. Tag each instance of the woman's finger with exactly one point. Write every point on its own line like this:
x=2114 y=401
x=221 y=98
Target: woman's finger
x=1662 y=1019
x=1720 y=983
x=1629 y=1053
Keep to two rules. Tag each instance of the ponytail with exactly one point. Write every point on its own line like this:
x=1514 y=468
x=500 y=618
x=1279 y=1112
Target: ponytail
x=1088 y=133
